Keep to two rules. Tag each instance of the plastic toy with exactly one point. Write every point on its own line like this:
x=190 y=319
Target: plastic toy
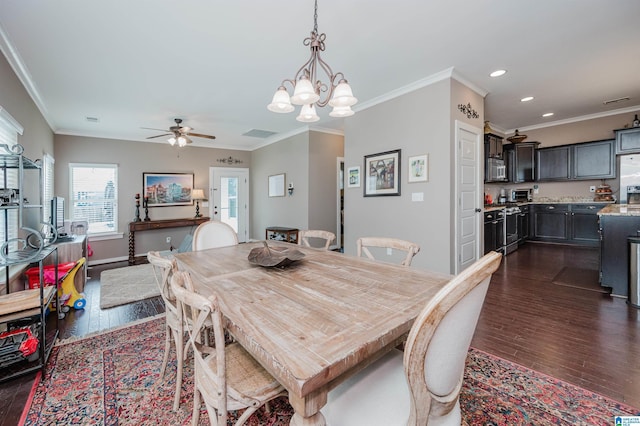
x=68 y=295
x=67 y=292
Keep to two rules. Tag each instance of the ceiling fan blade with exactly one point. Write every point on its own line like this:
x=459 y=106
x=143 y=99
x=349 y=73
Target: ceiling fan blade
x=158 y=136
x=202 y=136
x=151 y=128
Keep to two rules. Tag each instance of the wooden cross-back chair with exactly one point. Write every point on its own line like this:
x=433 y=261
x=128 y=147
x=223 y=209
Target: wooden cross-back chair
x=163 y=269
x=214 y=234
x=364 y=243
x=305 y=238
x=422 y=385
x=226 y=377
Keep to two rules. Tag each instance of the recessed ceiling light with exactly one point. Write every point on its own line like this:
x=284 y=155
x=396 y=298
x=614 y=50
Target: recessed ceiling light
x=547 y=114
x=498 y=73
x=526 y=99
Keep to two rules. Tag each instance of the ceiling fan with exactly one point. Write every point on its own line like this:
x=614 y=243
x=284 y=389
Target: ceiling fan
x=179 y=134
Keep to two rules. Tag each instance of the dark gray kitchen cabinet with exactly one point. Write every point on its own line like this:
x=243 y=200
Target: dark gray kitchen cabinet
x=582 y=161
x=554 y=163
x=550 y=222
x=492 y=146
x=521 y=161
x=584 y=224
x=614 y=251
x=628 y=141
x=594 y=160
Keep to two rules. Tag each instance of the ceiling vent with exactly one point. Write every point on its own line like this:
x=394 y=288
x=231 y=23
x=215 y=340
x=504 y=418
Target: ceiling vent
x=92 y=119
x=613 y=101
x=255 y=133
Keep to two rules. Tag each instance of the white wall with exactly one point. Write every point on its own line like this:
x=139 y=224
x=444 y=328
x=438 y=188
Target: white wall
x=308 y=159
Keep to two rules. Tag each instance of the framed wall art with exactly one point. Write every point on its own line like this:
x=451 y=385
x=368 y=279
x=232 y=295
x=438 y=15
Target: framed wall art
x=276 y=185
x=419 y=168
x=167 y=189
x=382 y=174
x=353 y=177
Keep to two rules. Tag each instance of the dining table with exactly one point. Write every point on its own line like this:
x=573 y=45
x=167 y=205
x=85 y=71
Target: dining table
x=315 y=321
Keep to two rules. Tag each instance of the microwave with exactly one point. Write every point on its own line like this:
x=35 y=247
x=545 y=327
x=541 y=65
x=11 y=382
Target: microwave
x=496 y=170
x=518 y=195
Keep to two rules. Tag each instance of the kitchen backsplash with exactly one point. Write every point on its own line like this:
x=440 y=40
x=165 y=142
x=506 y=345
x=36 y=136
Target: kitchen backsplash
x=555 y=191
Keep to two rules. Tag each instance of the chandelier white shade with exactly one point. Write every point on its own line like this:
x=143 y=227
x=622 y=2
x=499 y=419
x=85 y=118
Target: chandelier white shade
x=309 y=90
x=181 y=140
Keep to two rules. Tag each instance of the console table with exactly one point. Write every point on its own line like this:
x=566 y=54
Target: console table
x=279 y=233
x=150 y=225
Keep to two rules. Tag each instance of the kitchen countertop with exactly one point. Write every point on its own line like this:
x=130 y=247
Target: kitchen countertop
x=558 y=200
x=620 y=210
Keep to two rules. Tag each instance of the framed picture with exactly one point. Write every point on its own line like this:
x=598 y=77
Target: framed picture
x=276 y=185
x=382 y=174
x=168 y=189
x=419 y=168
x=353 y=177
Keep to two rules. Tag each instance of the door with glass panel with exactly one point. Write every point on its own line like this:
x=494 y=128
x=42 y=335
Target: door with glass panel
x=229 y=198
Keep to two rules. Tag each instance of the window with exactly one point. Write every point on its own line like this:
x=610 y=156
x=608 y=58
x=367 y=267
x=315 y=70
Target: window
x=94 y=189
x=9 y=130
x=47 y=191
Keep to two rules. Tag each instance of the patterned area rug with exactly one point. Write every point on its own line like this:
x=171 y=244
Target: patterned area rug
x=112 y=379
x=125 y=285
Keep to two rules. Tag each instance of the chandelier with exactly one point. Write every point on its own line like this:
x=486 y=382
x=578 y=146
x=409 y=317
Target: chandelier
x=309 y=90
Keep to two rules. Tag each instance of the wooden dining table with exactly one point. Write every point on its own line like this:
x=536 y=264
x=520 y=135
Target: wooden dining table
x=316 y=321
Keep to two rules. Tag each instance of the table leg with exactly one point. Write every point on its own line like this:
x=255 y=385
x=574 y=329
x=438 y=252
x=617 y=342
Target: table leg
x=307 y=410
x=132 y=247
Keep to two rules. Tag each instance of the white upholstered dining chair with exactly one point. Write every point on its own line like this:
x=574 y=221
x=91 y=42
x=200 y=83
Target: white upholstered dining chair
x=163 y=269
x=306 y=237
x=422 y=385
x=365 y=243
x=213 y=234
x=226 y=376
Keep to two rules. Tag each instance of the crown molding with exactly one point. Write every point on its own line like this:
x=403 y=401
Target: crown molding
x=18 y=66
x=4 y=115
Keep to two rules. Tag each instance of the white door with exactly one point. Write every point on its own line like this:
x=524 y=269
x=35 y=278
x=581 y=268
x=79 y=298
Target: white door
x=468 y=192
x=229 y=198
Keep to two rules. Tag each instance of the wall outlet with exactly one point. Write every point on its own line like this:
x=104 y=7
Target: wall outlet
x=168 y=240
x=592 y=188
x=389 y=251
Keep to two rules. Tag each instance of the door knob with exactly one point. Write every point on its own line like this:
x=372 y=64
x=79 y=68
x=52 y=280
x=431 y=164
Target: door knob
x=478 y=210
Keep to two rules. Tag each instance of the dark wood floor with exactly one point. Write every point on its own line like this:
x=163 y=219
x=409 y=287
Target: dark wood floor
x=581 y=336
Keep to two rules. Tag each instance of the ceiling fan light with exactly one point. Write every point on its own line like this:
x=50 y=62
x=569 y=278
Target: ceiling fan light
x=308 y=114
x=281 y=103
x=172 y=141
x=341 y=111
x=183 y=140
x=342 y=95
x=304 y=93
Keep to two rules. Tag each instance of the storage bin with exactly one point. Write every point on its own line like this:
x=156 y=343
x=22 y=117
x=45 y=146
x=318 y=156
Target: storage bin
x=33 y=274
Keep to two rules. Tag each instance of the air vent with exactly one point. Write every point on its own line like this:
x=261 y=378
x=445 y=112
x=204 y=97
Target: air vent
x=613 y=101
x=92 y=119
x=255 y=133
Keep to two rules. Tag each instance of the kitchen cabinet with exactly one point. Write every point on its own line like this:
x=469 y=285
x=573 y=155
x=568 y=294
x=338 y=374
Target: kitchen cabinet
x=628 y=141
x=553 y=163
x=584 y=224
x=587 y=160
x=521 y=160
x=575 y=224
x=614 y=251
x=550 y=222
x=494 y=231
x=594 y=160
x=492 y=146
x=523 y=224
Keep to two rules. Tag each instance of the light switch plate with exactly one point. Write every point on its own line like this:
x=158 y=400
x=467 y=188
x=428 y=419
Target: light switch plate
x=417 y=196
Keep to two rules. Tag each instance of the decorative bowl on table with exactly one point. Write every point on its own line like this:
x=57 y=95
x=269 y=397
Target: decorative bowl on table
x=275 y=256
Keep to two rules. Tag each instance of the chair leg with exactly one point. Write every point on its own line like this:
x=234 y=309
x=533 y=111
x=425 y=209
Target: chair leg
x=195 y=418
x=179 y=342
x=167 y=348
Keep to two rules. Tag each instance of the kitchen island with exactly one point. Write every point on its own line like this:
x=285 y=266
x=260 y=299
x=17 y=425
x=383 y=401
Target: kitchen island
x=617 y=223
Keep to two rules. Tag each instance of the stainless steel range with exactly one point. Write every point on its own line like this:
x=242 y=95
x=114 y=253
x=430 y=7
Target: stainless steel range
x=511 y=211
